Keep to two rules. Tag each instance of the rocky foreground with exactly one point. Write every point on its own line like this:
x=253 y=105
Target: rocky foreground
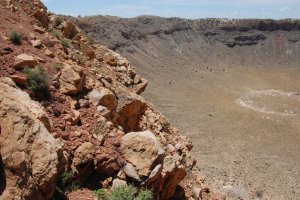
x=71 y=117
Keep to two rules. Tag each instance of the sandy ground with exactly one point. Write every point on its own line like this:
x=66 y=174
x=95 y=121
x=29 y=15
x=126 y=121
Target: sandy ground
x=243 y=121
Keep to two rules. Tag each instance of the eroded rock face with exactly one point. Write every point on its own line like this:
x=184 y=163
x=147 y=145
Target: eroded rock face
x=24 y=60
x=104 y=97
x=143 y=151
x=129 y=110
x=69 y=30
x=72 y=79
x=32 y=158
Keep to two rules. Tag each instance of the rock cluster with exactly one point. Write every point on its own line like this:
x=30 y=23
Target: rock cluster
x=94 y=125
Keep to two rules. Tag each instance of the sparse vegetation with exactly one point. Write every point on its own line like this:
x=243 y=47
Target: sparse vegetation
x=65 y=42
x=57 y=66
x=67 y=182
x=166 y=125
x=55 y=33
x=125 y=193
x=58 y=21
x=90 y=40
x=37 y=81
x=15 y=37
x=78 y=58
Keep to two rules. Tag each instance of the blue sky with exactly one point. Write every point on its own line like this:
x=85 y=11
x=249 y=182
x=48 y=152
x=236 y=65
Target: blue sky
x=276 y=9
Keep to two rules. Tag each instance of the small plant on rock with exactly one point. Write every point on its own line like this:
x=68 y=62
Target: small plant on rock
x=166 y=125
x=55 y=33
x=58 y=21
x=65 y=42
x=125 y=193
x=15 y=37
x=37 y=81
x=57 y=66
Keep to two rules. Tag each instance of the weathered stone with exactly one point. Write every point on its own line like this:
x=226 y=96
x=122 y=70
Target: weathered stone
x=30 y=154
x=106 y=162
x=143 y=150
x=39 y=29
x=137 y=79
x=131 y=172
x=69 y=29
x=104 y=97
x=49 y=53
x=42 y=16
x=20 y=79
x=118 y=183
x=72 y=79
x=88 y=50
x=129 y=110
x=24 y=60
x=37 y=44
x=82 y=164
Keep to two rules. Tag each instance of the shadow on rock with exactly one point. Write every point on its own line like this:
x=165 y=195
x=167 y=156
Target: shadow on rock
x=2 y=176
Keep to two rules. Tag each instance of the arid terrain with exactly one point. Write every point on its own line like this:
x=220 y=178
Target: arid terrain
x=233 y=86
x=73 y=124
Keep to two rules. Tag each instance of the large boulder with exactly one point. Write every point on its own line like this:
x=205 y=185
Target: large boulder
x=31 y=158
x=143 y=151
x=129 y=110
x=72 y=79
x=24 y=60
x=104 y=97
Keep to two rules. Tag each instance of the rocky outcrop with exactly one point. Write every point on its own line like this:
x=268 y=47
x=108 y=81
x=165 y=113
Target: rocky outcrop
x=32 y=158
x=142 y=150
x=24 y=60
x=72 y=79
x=103 y=97
x=129 y=110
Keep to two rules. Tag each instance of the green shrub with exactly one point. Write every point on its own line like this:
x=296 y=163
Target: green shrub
x=90 y=40
x=65 y=42
x=78 y=58
x=37 y=81
x=67 y=182
x=101 y=194
x=15 y=37
x=166 y=125
x=55 y=33
x=58 y=21
x=125 y=193
x=57 y=66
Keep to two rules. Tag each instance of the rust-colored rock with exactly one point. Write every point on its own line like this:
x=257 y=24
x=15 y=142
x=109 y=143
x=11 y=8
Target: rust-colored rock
x=143 y=151
x=72 y=79
x=24 y=60
x=129 y=110
x=104 y=97
x=30 y=154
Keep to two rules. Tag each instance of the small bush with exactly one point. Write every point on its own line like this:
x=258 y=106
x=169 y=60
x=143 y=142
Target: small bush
x=65 y=42
x=58 y=21
x=57 y=66
x=101 y=194
x=67 y=183
x=166 y=126
x=78 y=58
x=90 y=40
x=37 y=81
x=125 y=193
x=55 y=33
x=15 y=37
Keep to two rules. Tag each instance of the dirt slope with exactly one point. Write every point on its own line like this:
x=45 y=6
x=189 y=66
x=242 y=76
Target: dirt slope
x=232 y=84
x=72 y=120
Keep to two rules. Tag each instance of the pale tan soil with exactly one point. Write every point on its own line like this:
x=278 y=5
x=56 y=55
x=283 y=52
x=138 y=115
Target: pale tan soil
x=241 y=150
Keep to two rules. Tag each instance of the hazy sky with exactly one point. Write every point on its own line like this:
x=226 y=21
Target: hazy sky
x=179 y=8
